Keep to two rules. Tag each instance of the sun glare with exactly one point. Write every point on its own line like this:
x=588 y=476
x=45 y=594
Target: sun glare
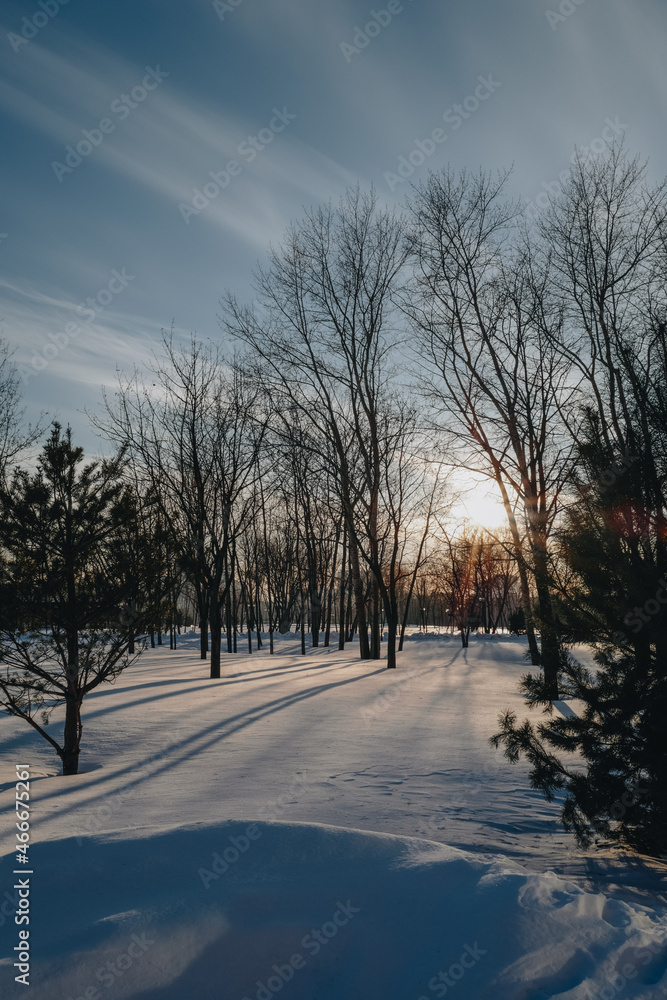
x=481 y=505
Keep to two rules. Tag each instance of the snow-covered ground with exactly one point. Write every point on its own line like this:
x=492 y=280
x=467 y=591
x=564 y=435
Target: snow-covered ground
x=202 y=845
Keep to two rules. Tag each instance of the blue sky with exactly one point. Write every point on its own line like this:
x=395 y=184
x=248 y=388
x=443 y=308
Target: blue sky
x=276 y=99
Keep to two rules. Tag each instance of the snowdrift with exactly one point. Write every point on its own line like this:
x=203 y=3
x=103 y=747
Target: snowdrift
x=249 y=911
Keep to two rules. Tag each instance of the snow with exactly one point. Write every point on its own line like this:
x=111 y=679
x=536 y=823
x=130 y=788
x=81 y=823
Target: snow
x=335 y=794
x=565 y=709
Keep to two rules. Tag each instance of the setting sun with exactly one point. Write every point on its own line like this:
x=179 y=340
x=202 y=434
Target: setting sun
x=481 y=505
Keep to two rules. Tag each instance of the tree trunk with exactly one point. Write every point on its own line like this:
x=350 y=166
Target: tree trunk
x=533 y=648
x=267 y=560
x=72 y=734
x=550 y=651
x=408 y=601
x=330 y=591
x=228 y=618
x=316 y=612
x=327 y=624
x=523 y=575
x=343 y=587
x=392 y=632
x=259 y=624
x=364 y=648
x=203 y=638
x=234 y=608
x=375 y=563
x=216 y=636
x=375 y=621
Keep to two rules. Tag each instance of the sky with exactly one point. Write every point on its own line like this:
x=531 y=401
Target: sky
x=153 y=150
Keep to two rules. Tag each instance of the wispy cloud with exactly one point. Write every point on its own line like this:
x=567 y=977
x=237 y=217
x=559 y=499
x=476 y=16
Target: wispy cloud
x=120 y=205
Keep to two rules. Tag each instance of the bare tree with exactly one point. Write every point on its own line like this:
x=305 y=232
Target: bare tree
x=604 y=243
x=193 y=435
x=15 y=437
x=434 y=505
x=322 y=340
x=487 y=335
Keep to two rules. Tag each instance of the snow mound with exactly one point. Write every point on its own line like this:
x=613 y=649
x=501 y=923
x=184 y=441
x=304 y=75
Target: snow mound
x=245 y=911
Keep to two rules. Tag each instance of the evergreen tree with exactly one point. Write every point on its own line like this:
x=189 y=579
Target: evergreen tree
x=61 y=603
x=616 y=602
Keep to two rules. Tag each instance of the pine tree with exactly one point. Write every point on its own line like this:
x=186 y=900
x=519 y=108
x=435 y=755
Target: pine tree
x=61 y=604
x=616 y=602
